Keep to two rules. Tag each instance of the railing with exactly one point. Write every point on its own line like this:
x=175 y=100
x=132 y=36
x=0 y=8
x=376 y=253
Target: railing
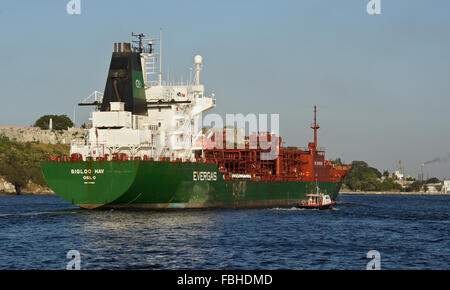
x=98 y=97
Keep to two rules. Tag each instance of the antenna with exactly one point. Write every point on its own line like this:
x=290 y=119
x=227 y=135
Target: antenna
x=140 y=47
x=421 y=171
x=150 y=57
x=160 y=57
x=315 y=126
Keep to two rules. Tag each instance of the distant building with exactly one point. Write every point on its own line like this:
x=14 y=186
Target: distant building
x=434 y=187
x=446 y=186
x=398 y=174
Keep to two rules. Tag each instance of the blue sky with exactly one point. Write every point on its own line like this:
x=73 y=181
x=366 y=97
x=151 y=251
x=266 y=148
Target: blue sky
x=381 y=82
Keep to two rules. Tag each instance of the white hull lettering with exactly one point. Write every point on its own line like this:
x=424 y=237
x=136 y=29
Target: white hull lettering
x=204 y=176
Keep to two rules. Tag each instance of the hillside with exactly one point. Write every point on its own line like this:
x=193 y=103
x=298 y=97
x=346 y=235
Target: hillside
x=20 y=162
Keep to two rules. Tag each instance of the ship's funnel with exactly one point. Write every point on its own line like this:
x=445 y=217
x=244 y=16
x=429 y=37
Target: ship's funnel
x=125 y=81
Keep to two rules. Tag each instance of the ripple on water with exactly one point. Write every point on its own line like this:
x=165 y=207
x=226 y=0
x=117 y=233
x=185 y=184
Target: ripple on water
x=409 y=232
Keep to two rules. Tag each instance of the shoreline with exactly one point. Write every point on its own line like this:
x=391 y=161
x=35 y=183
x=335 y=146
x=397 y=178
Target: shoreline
x=391 y=193
x=26 y=193
x=341 y=192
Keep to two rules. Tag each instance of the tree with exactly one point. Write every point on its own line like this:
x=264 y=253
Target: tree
x=386 y=173
x=363 y=177
x=433 y=180
x=416 y=186
x=60 y=122
x=389 y=184
x=359 y=164
x=337 y=161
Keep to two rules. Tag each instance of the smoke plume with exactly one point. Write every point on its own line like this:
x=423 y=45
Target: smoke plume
x=438 y=160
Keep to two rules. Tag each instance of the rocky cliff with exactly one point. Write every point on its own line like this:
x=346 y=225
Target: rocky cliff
x=30 y=188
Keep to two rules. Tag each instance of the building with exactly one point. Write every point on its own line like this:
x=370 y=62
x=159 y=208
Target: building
x=433 y=187
x=398 y=174
x=446 y=186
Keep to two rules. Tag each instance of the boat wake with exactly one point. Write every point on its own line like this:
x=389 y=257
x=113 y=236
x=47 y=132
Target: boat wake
x=288 y=209
x=302 y=209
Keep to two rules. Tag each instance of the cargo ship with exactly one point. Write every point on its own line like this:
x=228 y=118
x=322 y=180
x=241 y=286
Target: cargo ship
x=145 y=150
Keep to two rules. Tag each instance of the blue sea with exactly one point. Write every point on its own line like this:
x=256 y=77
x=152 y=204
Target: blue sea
x=408 y=231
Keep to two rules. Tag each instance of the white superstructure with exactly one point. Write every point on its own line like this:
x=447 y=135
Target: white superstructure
x=170 y=128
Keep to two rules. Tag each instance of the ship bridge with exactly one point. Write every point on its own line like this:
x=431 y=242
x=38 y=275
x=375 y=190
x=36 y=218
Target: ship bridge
x=142 y=115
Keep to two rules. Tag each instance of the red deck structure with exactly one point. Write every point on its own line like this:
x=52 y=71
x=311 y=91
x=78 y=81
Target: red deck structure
x=287 y=164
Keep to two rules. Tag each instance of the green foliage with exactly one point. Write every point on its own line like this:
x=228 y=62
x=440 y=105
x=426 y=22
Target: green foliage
x=388 y=184
x=366 y=178
x=20 y=162
x=432 y=180
x=422 y=185
x=415 y=186
x=60 y=122
x=362 y=177
x=337 y=161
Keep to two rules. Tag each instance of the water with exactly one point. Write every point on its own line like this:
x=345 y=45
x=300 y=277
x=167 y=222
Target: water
x=410 y=232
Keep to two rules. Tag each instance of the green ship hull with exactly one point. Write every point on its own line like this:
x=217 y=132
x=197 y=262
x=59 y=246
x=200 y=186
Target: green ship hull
x=169 y=185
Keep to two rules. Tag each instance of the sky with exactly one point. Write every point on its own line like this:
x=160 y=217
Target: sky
x=381 y=82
